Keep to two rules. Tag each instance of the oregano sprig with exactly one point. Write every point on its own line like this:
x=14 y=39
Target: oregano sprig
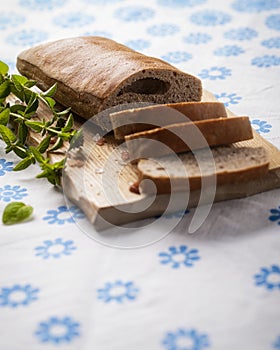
x=19 y=119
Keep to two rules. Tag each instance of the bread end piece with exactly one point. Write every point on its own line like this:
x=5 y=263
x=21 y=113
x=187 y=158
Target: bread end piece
x=95 y=73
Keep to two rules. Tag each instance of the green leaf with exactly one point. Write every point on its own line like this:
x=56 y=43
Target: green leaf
x=69 y=124
x=23 y=164
x=5 y=89
x=5 y=116
x=57 y=145
x=36 y=126
x=44 y=173
x=32 y=97
x=16 y=212
x=27 y=95
x=50 y=92
x=38 y=156
x=66 y=111
x=17 y=93
x=77 y=139
x=30 y=83
x=7 y=135
x=32 y=105
x=22 y=133
x=60 y=123
x=17 y=108
x=20 y=151
x=52 y=172
x=4 y=68
x=50 y=102
x=44 y=144
x=19 y=81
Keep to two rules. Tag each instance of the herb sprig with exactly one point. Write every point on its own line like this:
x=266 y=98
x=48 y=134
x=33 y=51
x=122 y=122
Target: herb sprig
x=19 y=119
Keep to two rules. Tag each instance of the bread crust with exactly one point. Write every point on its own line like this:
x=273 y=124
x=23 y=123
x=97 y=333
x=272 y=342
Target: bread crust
x=94 y=73
x=182 y=137
x=256 y=167
x=145 y=118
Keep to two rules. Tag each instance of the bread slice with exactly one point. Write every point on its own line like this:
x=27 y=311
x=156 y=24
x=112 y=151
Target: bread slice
x=229 y=165
x=182 y=137
x=145 y=118
x=95 y=73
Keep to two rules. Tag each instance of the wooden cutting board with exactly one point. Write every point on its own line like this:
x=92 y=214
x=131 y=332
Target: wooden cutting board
x=99 y=183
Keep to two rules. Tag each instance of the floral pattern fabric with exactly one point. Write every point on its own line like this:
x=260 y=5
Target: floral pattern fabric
x=217 y=288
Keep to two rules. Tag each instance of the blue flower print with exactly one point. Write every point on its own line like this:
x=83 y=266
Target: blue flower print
x=228 y=99
x=215 y=73
x=241 y=34
x=266 y=61
x=180 y=3
x=55 y=249
x=210 y=18
x=63 y=215
x=276 y=344
x=275 y=215
x=269 y=277
x=255 y=5
x=27 y=37
x=229 y=50
x=9 y=193
x=180 y=256
x=272 y=43
x=73 y=20
x=177 y=56
x=162 y=29
x=118 y=291
x=10 y=20
x=261 y=126
x=197 y=38
x=41 y=4
x=273 y=22
x=101 y=2
x=138 y=44
x=185 y=339
x=57 y=330
x=18 y=295
x=134 y=13
x=98 y=33
x=5 y=166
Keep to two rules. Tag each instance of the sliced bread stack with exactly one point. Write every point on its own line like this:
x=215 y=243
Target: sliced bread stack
x=154 y=135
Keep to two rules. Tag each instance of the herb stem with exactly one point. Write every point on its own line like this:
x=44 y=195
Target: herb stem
x=21 y=116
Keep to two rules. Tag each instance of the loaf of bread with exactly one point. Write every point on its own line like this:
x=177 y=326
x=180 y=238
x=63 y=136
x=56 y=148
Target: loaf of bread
x=231 y=165
x=139 y=119
x=182 y=137
x=95 y=73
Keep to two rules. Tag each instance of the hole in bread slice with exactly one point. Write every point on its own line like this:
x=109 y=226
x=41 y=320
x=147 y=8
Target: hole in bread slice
x=146 y=86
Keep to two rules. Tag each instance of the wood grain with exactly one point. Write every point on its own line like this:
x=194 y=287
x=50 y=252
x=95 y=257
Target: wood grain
x=97 y=180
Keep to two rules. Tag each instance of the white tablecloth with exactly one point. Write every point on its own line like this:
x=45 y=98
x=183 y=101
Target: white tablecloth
x=218 y=288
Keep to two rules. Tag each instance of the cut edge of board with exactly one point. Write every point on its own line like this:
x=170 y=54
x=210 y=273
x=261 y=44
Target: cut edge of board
x=103 y=214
